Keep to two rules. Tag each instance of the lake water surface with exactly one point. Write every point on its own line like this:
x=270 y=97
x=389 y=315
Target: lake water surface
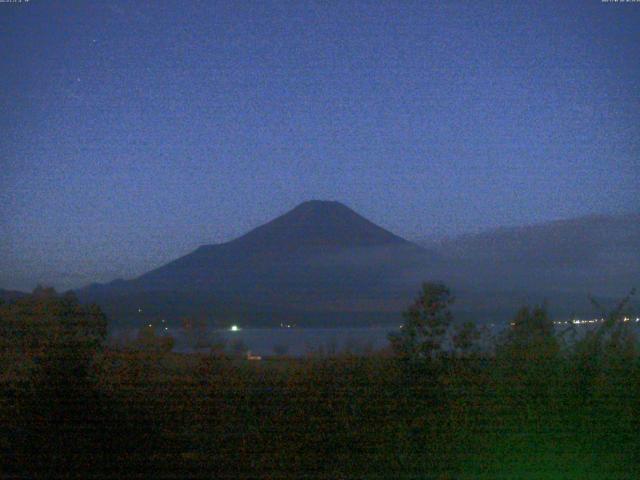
x=292 y=341
x=303 y=341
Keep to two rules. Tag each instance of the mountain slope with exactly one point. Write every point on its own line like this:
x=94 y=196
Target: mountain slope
x=319 y=257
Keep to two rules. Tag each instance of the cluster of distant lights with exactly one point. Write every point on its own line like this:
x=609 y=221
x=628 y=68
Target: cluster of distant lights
x=585 y=322
x=594 y=320
x=165 y=328
x=236 y=328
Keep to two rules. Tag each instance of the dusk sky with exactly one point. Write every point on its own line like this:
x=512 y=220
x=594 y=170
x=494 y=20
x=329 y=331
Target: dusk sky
x=132 y=132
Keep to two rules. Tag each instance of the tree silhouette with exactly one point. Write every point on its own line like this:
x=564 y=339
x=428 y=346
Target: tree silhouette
x=54 y=332
x=425 y=323
x=531 y=336
x=466 y=337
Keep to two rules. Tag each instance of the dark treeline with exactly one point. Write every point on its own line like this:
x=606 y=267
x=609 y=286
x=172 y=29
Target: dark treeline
x=538 y=407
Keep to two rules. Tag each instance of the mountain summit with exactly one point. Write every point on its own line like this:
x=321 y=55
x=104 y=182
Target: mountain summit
x=318 y=223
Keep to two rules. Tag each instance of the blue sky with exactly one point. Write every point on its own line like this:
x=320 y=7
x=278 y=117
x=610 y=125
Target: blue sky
x=135 y=131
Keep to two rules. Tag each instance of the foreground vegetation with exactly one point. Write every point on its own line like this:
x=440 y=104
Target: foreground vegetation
x=537 y=408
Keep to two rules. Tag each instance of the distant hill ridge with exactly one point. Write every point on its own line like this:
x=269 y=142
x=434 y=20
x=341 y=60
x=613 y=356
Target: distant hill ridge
x=10 y=295
x=598 y=253
x=571 y=242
